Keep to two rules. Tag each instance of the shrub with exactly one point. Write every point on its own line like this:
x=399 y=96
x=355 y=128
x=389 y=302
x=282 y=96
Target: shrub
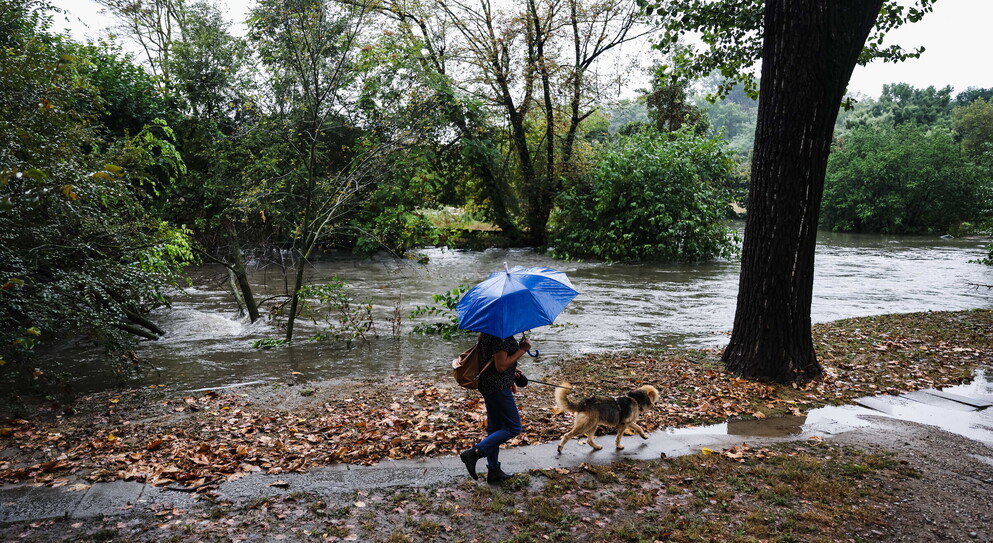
x=651 y=197
x=903 y=179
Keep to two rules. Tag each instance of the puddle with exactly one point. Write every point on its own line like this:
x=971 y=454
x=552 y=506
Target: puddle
x=920 y=407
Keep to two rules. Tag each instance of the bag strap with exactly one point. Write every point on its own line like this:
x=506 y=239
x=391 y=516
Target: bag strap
x=480 y=374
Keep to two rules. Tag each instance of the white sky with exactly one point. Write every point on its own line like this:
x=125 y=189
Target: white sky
x=955 y=36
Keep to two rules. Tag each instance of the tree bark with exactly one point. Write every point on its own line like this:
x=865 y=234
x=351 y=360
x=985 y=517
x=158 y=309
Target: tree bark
x=140 y=332
x=143 y=322
x=544 y=190
x=810 y=48
x=237 y=269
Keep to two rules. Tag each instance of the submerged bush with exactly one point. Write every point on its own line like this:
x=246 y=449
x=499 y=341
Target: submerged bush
x=651 y=197
x=444 y=307
x=903 y=179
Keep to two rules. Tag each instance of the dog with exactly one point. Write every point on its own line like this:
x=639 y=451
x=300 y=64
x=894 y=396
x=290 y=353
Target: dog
x=621 y=412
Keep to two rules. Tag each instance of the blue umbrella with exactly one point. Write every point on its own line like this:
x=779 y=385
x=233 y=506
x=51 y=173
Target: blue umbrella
x=515 y=300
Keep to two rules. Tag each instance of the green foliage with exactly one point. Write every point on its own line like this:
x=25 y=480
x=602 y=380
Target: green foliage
x=901 y=103
x=387 y=218
x=732 y=117
x=207 y=66
x=390 y=224
x=78 y=252
x=669 y=105
x=269 y=343
x=120 y=94
x=403 y=98
x=974 y=126
x=732 y=33
x=650 y=198
x=155 y=162
x=627 y=112
x=989 y=256
x=901 y=179
x=444 y=307
x=972 y=94
x=332 y=308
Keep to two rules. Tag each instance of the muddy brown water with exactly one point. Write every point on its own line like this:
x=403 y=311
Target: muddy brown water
x=620 y=306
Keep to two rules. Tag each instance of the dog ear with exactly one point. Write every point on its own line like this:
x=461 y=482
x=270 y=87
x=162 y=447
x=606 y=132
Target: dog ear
x=651 y=393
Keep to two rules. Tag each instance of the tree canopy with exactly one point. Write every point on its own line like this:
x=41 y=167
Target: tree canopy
x=350 y=125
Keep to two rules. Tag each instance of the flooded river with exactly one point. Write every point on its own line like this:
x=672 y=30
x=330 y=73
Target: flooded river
x=619 y=307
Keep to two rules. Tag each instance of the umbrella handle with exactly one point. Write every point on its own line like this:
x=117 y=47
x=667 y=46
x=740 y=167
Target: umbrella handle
x=523 y=337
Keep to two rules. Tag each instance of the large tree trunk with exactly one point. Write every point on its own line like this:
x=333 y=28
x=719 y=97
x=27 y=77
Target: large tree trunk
x=535 y=219
x=809 y=51
x=545 y=189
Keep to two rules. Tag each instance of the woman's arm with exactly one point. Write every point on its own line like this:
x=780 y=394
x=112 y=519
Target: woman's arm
x=502 y=361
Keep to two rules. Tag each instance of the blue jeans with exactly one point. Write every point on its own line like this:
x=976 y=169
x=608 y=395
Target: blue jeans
x=503 y=422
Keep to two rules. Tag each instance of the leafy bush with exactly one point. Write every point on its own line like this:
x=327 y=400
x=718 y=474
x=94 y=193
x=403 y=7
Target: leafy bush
x=333 y=310
x=902 y=179
x=989 y=256
x=444 y=306
x=650 y=197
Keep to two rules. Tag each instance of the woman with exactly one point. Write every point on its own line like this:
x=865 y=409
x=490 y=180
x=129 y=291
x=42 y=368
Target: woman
x=497 y=384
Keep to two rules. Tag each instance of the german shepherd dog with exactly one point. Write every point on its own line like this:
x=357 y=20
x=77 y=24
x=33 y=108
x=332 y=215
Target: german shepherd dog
x=621 y=412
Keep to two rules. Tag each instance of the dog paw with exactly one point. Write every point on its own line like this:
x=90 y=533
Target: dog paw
x=620 y=447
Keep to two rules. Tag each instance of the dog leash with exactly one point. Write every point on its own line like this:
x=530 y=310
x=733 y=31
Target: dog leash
x=546 y=384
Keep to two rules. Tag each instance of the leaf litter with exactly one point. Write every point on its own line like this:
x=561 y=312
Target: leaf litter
x=196 y=442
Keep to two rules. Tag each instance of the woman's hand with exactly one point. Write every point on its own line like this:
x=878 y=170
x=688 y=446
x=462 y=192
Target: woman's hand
x=525 y=345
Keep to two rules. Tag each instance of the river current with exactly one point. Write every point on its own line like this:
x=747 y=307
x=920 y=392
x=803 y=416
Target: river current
x=620 y=306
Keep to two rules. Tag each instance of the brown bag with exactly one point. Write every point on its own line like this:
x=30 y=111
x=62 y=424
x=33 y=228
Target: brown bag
x=467 y=367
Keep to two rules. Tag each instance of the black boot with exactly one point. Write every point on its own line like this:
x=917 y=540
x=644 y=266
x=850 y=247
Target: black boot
x=496 y=475
x=469 y=458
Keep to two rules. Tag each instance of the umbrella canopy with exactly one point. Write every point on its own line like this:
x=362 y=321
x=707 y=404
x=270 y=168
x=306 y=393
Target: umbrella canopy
x=515 y=300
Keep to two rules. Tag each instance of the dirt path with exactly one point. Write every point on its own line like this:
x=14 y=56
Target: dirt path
x=951 y=500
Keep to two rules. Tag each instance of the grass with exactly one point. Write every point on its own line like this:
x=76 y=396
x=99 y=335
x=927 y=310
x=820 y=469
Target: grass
x=812 y=491
x=455 y=219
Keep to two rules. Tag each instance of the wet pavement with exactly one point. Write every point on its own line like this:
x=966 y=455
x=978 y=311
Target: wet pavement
x=963 y=410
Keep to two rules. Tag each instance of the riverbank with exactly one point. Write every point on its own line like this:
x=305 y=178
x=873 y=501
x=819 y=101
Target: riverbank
x=195 y=442
x=896 y=481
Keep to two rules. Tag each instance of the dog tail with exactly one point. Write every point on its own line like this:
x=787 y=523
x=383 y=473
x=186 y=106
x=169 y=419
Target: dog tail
x=562 y=401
